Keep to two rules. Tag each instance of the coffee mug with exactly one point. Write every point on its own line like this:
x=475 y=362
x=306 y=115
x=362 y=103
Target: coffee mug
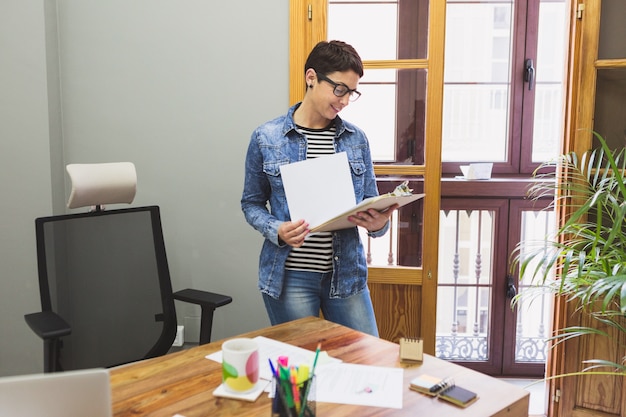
x=240 y=365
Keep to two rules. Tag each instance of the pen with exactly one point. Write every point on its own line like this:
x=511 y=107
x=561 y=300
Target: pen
x=308 y=384
x=276 y=399
x=286 y=386
x=274 y=373
x=317 y=354
x=296 y=391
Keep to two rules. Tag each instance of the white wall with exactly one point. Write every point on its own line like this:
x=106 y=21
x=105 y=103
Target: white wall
x=25 y=190
x=175 y=86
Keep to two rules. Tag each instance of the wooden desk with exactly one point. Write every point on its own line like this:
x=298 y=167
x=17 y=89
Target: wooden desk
x=183 y=382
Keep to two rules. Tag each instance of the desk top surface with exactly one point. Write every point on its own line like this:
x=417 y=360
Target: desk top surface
x=183 y=382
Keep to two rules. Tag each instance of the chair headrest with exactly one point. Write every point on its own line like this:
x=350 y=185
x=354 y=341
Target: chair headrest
x=99 y=184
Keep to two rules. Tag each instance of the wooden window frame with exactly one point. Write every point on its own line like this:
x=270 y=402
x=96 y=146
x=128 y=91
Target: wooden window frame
x=308 y=23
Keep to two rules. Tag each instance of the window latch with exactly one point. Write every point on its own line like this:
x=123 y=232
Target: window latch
x=529 y=73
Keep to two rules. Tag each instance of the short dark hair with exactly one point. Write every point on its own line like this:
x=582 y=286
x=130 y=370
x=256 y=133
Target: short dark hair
x=334 y=56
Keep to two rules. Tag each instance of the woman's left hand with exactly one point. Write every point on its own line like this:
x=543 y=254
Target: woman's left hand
x=371 y=219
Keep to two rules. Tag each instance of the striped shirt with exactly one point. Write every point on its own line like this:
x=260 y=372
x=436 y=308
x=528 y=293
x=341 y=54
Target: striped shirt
x=316 y=254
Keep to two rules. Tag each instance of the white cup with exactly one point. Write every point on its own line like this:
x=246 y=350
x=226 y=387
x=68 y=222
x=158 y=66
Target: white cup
x=240 y=365
x=477 y=171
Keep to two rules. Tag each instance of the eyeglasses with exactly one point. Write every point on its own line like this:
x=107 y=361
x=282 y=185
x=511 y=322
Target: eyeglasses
x=340 y=90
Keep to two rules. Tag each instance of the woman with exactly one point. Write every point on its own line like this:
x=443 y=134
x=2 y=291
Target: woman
x=301 y=273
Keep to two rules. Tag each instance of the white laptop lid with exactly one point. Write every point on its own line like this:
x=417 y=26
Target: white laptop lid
x=84 y=393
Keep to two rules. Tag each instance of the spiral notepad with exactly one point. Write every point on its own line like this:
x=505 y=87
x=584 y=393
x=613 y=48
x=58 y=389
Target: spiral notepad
x=444 y=389
x=458 y=396
x=411 y=349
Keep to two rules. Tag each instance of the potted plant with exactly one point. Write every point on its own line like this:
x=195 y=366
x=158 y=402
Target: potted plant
x=588 y=250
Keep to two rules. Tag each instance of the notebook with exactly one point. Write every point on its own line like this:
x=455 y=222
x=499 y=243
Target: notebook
x=411 y=349
x=64 y=394
x=424 y=383
x=458 y=396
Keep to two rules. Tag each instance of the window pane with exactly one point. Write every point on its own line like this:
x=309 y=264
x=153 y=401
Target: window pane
x=353 y=24
x=548 y=114
x=466 y=240
x=465 y=247
x=401 y=27
x=548 y=121
x=402 y=245
x=462 y=324
x=391 y=111
x=612 y=28
x=533 y=312
x=477 y=81
x=375 y=112
x=475 y=123
x=610 y=111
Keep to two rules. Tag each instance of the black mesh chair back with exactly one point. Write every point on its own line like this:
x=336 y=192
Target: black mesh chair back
x=106 y=274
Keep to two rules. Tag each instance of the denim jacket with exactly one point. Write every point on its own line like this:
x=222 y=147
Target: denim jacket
x=276 y=143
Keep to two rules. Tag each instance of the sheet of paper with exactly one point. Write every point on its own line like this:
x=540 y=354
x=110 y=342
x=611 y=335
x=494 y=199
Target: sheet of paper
x=318 y=189
x=272 y=349
x=348 y=383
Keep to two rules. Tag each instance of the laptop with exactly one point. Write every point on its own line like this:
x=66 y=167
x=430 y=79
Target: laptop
x=83 y=393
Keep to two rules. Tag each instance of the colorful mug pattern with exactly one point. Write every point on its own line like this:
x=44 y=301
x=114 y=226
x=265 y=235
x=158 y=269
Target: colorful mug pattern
x=240 y=365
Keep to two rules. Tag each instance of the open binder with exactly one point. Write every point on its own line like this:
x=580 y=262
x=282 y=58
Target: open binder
x=379 y=203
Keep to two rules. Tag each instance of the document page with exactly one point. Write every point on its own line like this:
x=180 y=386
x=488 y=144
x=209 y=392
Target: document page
x=318 y=189
x=349 y=383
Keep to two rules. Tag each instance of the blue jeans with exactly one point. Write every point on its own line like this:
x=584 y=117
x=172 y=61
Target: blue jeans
x=305 y=293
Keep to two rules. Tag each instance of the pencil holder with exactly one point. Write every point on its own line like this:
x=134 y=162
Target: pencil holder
x=294 y=399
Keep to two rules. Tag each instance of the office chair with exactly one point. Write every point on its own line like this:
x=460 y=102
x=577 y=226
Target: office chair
x=104 y=280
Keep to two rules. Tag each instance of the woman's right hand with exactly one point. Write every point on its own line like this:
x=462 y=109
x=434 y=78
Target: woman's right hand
x=293 y=233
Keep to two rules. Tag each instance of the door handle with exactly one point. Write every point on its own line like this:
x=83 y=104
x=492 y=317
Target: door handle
x=511 y=291
x=529 y=73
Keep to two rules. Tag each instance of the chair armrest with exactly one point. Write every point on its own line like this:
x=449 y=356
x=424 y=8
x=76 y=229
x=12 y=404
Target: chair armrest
x=48 y=325
x=202 y=298
x=208 y=301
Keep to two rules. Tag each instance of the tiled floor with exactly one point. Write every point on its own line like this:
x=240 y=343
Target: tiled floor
x=537 y=389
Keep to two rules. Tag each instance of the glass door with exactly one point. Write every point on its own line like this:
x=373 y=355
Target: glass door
x=504 y=82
